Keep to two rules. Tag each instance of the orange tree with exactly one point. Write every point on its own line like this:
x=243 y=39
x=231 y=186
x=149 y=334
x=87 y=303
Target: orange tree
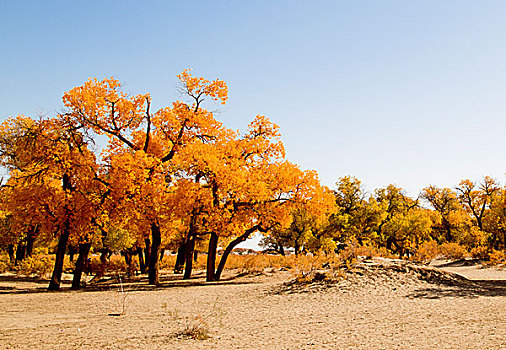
x=495 y=221
x=50 y=168
x=452 y=217
x=476 y=198
x=147 y=142
x=247 y=186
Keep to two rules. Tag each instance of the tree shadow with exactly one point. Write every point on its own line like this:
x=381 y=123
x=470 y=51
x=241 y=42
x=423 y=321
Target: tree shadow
x=461 y=263
x=463 y=289
x=132 y=284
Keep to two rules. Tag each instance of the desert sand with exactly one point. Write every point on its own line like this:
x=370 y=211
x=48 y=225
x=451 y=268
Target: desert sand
x=373 y=307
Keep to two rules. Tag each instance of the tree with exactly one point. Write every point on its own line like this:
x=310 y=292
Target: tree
x=445 y=203
x=242 y=184
x=145 y=141
x=357 y=217
x=495 y=221
x=50 y=168
x=476 y=199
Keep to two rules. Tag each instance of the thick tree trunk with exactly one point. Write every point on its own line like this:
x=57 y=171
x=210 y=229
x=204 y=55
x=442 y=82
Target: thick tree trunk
x=128 y=259
x=154 y=261
x=10 y=251
x=147 y=253
x=492 y=240
x=30 y=239
x=20 y=252
x=142 y=264
x=73 y=250
x=181 y=253
x=448 y=231
x=296 y=248
x=84 y=250
x=190 y=246
x=211 y=257
x=389 y=243
x=104 y=255
x=54 y=284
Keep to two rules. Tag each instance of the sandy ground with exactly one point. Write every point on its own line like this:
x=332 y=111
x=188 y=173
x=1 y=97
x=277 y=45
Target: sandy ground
x=374 y=308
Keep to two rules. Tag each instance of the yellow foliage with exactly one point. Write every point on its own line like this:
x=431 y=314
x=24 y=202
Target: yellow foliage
x=38 y=266
x=427 y=251
x=481 y=252
x=498 y=257
x=453 y=251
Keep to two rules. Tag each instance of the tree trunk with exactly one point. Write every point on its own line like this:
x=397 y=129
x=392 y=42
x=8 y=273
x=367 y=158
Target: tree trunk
x=231 y=247
x=154 y=261
x=128 y=260
x=227 y=252
x=104 y=255
x=195 y=255
x=147 y=253
x=281 y=249
x=30 y=239
x=211 y=257
x=162 y=254
x=20 y=252
x=54 y=284
x=142 y=264
x=84 y=250
x=181 y=253
x=10 y=251
x=190 y=246
x=73 y=250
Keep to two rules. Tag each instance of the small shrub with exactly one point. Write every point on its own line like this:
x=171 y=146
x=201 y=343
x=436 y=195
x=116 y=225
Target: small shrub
x=196 y=328
x=349 y=254
x=5 y=264
x=481 y=252
x=255 y=263
x=427 y=251
x=116 y=265
x=369 y=252
x=497 y=257
x=36 y=266
x=453 y=251
x=168 y=262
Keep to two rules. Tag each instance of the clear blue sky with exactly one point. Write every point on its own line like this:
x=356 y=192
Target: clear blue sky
x=405 y=92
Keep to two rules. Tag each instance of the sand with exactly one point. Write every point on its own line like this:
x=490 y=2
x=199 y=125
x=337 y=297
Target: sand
x=373 y=308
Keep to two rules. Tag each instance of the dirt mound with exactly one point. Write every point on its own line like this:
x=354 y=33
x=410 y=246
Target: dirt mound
x=390 y=274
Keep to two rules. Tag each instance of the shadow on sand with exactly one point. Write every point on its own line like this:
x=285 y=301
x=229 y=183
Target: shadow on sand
x=132 y=284
x=463 y=289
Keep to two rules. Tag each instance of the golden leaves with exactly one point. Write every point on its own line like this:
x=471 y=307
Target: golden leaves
x=198 y=87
